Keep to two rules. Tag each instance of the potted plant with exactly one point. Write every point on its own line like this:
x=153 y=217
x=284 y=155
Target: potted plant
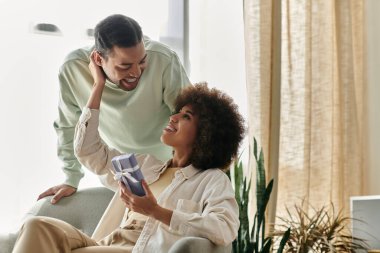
x=322 y=231
x=253 y=239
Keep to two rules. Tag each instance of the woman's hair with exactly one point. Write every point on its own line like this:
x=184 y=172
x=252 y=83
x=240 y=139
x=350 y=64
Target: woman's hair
x=220 y=126
x=116 y=30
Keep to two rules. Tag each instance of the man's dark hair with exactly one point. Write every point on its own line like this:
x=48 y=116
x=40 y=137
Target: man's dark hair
x=116 y=30
x=220 y=126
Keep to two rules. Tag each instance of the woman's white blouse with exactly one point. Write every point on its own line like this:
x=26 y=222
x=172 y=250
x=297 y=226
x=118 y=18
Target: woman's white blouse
x=202 y=201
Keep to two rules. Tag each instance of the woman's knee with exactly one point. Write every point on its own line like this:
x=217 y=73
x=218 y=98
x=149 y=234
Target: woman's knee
x=36 y=223
x=33 y=222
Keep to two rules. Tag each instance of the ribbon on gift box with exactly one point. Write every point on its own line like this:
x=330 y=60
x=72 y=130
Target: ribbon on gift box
x=125 y=172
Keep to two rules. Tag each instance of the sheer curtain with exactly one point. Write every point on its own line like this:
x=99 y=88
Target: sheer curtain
x=307 y=107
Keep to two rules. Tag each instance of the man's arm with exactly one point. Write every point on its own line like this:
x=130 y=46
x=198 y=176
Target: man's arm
x=68 y=115
x=90 y=149
x=174 y=80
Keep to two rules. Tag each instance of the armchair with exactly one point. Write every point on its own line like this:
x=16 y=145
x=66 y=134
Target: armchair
x=85 y=208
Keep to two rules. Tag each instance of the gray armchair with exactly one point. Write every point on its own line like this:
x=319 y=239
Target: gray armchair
x=85 y=208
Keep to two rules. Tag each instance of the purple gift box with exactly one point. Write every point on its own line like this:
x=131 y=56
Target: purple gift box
x=128 y=171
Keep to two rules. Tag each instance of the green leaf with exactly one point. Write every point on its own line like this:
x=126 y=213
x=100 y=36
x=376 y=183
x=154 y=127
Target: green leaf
x=235 y=246
x=264 y=202
x=252 y=239
x=265 y=197
x=255 y=148
x=237 y=178
x=228 y=173
x=267 y=243
x=253 y=227
x=283 y=241
x=260 y=179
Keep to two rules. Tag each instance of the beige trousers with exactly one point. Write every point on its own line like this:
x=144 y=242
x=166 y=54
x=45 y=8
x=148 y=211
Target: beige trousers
x=49 y=235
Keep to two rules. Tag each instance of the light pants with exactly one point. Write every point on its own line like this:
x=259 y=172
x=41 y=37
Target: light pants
x=49 y=235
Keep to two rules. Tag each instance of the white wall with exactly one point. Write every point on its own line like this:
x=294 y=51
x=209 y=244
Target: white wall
x=29 y=86
x=29 y=89
x=216 y=49
x=373 y=32
x=217 y=46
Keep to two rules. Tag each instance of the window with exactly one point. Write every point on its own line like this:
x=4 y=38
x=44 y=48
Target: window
x=36 y=36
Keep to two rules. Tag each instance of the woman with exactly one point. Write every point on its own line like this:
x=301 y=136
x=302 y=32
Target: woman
x=188 y=195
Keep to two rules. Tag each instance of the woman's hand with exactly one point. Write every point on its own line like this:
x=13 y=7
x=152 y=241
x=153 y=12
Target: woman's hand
x=96 y=70
x=146 y=205
x=99 y=81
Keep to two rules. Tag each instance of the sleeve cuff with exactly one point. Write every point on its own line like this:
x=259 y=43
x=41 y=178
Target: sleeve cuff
x=73 y=182
x=87 y=126
x=177 y=223
x=89 y=115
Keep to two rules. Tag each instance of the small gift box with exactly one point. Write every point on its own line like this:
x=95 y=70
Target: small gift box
x=128 y=171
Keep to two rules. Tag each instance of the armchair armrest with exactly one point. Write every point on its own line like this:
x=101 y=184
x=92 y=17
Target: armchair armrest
x=198 y=244
x=83 y=210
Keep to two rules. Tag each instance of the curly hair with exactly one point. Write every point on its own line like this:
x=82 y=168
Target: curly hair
x=220 y=126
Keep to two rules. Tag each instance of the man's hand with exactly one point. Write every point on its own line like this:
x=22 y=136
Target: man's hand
x=59 y=191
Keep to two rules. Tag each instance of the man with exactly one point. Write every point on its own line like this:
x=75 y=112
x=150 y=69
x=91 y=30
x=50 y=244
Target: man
x=143 y=79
